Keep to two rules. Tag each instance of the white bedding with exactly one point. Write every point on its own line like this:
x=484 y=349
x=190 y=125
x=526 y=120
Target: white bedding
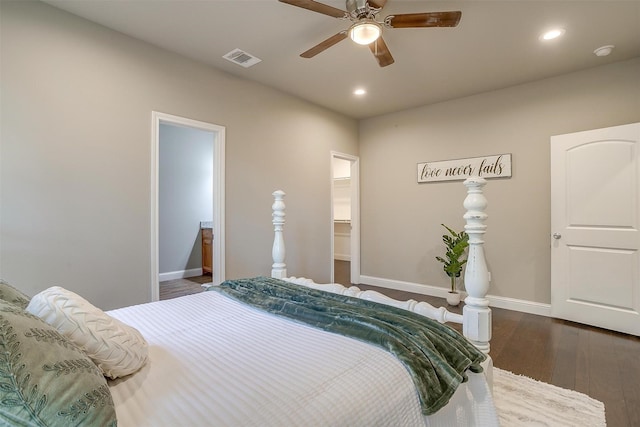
x=215 y=362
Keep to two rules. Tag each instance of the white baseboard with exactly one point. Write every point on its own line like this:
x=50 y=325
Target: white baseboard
x=523 y=306
x=182 y=274
x=416 y=288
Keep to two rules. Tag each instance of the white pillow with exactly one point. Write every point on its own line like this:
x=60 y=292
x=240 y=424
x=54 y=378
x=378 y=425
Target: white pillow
x=117 y=349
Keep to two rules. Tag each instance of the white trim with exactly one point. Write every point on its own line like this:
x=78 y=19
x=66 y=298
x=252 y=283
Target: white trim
x=155 y=162
x=218 y=194
x=355 y=220
x=523 y=306
x=416 y=288
x=181 y=274
x=355 y=215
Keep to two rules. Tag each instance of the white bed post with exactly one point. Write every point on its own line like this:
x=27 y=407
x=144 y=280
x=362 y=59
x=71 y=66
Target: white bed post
x=279 y=268
x=476 y=312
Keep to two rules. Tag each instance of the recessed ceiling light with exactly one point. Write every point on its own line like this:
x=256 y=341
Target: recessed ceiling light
x=604 y=50
x=359 y=92
x=552 y=34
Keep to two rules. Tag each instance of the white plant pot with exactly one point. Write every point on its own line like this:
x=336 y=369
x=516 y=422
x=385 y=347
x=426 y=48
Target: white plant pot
x=453 y=298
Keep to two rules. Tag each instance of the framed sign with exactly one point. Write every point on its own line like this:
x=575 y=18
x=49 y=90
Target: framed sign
x=498 y=166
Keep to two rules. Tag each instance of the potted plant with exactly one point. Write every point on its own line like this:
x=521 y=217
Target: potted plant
x=456 y=244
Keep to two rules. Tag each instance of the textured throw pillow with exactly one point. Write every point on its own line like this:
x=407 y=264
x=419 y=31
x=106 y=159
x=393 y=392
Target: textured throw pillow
x=45 y=380
x=117 y=349
x=13 y=295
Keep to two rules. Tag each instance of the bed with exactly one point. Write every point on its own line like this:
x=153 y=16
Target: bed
x=214 y=360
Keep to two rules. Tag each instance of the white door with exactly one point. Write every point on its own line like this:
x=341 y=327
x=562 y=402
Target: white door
x=595 y=220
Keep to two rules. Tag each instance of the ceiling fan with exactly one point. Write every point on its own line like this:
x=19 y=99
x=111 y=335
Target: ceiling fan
x=366 y=30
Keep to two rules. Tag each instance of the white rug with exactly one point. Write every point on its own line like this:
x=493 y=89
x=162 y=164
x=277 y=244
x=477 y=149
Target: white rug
x=522 y=401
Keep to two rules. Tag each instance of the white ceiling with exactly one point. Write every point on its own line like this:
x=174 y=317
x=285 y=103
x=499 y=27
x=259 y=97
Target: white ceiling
x=495 y=45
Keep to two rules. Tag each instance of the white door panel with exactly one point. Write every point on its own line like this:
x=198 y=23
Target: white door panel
x=595 y=197
x=602 y=276
x=600 y=237
x=590 y=198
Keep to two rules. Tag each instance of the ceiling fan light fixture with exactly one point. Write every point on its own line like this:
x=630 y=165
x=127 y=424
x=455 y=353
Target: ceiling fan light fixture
x=365 y=31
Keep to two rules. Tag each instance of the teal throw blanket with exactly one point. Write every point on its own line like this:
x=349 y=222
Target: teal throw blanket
x=435 y=355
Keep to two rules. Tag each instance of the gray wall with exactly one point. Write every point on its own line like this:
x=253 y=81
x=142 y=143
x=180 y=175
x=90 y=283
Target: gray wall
x=185 y=195
x=406 y=216
x=76 y=102
x=75 y=156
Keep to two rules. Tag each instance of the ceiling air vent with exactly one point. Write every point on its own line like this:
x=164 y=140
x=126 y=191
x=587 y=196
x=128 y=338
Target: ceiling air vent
x=242 y=58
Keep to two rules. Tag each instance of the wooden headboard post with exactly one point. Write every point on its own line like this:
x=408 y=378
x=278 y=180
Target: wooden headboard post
x=279 y=268
x=476 y=325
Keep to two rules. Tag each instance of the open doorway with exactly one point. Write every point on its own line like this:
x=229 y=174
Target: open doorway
x=345 y=219
x=187 y=200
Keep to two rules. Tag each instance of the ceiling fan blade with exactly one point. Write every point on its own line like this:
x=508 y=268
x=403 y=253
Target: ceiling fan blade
x=421 y=20
x=378 y=4
x=381 y=52
x=314 y=6
x=321 y=47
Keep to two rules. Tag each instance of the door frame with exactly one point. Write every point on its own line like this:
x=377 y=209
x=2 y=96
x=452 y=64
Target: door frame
x=355 y=215
x=218 y=131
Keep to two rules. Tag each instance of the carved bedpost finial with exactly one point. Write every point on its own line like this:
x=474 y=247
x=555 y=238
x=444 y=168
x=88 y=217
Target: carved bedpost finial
x=279 y=268
x=477 y=314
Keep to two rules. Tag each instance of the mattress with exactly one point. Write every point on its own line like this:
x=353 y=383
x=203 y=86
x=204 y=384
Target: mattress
x=216 y=362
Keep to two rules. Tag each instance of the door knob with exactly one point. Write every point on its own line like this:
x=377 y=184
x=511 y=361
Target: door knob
x=557 y=236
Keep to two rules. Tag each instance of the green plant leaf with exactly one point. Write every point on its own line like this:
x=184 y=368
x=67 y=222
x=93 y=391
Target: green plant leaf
x=456 y=244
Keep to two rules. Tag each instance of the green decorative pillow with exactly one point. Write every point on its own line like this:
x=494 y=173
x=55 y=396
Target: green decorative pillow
x=11 y=294
x=45 y=380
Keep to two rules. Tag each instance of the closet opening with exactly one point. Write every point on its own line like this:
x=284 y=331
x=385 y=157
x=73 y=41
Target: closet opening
x=345 y=219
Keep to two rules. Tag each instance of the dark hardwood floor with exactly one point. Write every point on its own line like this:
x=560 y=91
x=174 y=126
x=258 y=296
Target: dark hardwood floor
x=180 y=287
x=602 y=364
